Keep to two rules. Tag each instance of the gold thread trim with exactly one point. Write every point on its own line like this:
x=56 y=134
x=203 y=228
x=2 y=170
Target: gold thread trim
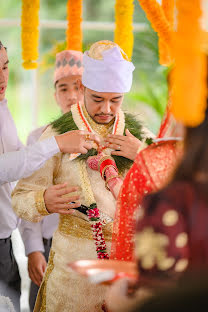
x=40 y=204
x=40 y=305
x=74 y=226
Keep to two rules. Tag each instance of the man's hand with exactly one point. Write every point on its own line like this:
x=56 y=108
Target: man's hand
x=58 y=199
x=77 y=141
x=36 y=267
x=126 y=146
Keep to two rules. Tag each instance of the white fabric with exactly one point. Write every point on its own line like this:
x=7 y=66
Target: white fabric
x=16 y=164
x=32 y=233
x=6 y=304
x=112 y=74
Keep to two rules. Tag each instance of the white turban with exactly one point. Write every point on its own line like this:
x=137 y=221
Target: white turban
x=111 y=74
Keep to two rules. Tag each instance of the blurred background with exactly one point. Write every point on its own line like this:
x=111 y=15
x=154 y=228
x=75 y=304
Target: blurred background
x=149 y=92
x=147 y=98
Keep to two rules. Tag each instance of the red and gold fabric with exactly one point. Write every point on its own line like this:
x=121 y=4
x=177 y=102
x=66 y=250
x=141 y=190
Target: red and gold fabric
x=151 y=170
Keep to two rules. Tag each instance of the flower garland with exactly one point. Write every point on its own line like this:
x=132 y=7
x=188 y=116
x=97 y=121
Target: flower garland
x=124 y=37
x=165 y=51
x=30 y=32
x=158 y=20
x=93 y=212
x=74 y=31
x=189 y=75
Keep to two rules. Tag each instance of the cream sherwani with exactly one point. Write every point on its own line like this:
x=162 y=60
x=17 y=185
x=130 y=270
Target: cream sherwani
x=63 y=290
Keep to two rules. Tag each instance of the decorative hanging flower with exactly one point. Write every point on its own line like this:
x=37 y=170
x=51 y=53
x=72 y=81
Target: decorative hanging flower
x=30 y=33
x=165 y=51
x=190 y=71
x=74 y=29
x=156 y=16
x=124 y=37
x=93 y=213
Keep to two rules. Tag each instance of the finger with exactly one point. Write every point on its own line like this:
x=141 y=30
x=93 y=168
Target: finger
x=91 y=137
x=83 y=150
x=116 y=136
x=119 y=153
x=128 y=133
x=115 y=141
x=117 y=147
x=68 y=199
x=88 y=145
x=68 y=206
x=67 y=190
x=34 y=277
x=38 y=272
x=60 y=186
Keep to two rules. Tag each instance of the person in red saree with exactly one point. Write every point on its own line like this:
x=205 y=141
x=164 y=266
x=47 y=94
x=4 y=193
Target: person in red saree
x=152 y=168
x=175 y=219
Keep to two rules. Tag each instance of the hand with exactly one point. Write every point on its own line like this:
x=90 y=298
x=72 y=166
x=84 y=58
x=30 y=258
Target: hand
x=126 y=146
x=123 y=295
x=93 y=161
x=56 y=200
x=77 y=141
x=36 y=267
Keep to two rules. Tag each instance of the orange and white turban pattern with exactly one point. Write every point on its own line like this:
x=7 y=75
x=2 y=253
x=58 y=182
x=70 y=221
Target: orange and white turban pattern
x=68 y=63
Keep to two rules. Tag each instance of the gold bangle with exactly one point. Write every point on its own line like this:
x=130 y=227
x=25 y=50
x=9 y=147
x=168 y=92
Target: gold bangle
x=104 y=169
x=102 y=159
x=109 y=179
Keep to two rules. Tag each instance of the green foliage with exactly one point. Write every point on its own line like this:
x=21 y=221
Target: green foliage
x=151 y=76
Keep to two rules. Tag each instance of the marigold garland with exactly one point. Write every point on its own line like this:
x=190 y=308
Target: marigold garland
x=189 y=74
x=74 y=30
x=30 y=32
x=158 y=20
x=124 y=37
x=165 y=51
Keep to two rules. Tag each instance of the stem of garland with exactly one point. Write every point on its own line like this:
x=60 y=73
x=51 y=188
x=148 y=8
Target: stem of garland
x=30 y=33
x=190 y=72
x=74 y=29
x=124 y=37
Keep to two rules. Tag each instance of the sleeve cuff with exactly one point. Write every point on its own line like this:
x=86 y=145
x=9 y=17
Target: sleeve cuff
x=40 y=204
x=34 y=245
x=49 y=147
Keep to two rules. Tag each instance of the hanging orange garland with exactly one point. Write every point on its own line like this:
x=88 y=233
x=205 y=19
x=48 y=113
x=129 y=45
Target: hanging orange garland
x=165 y=51
x=158 y=19
x=74 y=30
x=124 y=37
x=189 y=74
x=30 y=33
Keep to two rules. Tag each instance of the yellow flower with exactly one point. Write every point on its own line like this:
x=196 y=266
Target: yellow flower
x=124 y=25
x=30 y=32
x=74 y=30
x=190 y=71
